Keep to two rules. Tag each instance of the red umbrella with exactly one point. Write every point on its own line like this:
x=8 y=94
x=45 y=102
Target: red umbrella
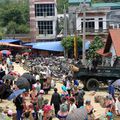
x=26 y=53
x=5 y=52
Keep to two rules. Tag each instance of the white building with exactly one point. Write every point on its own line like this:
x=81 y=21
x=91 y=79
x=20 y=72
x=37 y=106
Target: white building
x=43 y=19
x=99 y=17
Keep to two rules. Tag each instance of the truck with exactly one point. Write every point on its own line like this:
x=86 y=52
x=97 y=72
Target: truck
x=92 y=79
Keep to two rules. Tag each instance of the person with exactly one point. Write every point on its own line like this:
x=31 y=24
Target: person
x=94 y=64
x=38 y=86
x=117 y=106
x=63 y=112
x=89 y=109
x=68 y=87
x=111 y=89
x=80 y=98
x=56 y=100
x=64 y=91
x=72 y=104
x=19 y=106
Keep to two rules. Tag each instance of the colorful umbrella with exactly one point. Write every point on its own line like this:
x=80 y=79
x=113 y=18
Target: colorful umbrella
x=5 y=52
x=16 y=93
x=26 y=53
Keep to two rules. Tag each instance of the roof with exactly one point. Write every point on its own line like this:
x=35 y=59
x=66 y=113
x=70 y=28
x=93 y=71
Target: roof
x=11 y=45
x=78 y=1
x=101 y=52
x=115 y=37
x=9 y=40
x=50 y=46
x=112 y=5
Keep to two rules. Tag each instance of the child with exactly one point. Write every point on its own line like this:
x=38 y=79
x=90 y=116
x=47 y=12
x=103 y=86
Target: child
x=89 y=109
x=72 y=104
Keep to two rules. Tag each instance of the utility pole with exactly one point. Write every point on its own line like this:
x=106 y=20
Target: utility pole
x=84 y=35
x=65 y=23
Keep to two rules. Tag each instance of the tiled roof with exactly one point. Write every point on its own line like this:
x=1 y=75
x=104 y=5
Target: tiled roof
x=115 y=36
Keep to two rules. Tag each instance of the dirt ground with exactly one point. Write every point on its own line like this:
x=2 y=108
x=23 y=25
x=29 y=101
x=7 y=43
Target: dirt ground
x=99 y=110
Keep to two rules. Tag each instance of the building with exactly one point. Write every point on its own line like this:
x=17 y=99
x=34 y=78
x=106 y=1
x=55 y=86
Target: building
x=43 y=18
x=111 y=50
x=99 y=17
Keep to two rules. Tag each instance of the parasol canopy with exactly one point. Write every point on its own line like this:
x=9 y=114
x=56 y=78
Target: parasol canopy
x=25 y=53
x=8 y=77
x=116 y=83
x=16 y=93
x=29 y=77
x=23 y=83
x=5 y=52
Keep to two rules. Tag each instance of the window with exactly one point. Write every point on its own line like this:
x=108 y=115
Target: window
x=89 y=24
x=100 y=24
x=45 y=27
x=44 y=10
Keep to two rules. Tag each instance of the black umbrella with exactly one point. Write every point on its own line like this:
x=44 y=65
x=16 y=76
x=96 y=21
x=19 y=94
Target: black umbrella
x=29 y=77
x=23 y=83
x=8 y=77
x=4 y=91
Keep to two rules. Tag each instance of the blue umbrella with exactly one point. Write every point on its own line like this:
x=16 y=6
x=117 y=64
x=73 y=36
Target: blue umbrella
x=16 y=93
x=116 y=83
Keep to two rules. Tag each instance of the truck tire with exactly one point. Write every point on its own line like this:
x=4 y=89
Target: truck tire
x=92 y=84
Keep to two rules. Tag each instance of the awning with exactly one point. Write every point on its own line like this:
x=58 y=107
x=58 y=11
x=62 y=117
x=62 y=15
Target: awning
x=101 y=52
x=50 y=46
x=11 y=45
x=9 y=40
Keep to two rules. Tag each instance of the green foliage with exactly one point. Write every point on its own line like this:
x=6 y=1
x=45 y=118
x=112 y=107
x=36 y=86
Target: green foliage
x=61 y=4
x=15 y=16
x=68 y=42
x=95 y=45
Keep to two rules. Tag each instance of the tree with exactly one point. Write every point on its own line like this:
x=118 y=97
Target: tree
x=94 y=46
x=68 y=43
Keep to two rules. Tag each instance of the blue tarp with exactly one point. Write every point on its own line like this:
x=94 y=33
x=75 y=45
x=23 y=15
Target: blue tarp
x=9 y=40
x=52 y=46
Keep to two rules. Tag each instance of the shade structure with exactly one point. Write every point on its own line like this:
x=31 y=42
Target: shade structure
x=23 y=83
x=48 y=46
x=5 y=52
x=8 y=77
x=16 y=93
x=116 y=83
x=29 y=77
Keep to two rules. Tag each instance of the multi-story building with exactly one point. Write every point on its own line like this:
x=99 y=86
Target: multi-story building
x=98 y=17
x=43 y=18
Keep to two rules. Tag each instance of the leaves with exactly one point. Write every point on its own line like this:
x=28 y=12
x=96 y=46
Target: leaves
x=95 y=45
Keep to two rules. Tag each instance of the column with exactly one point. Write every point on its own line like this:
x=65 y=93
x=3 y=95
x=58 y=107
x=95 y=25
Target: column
x=104 y=24
x=96 y=25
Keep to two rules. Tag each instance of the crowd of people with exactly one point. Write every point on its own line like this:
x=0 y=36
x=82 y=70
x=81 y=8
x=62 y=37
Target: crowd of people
x=69 y=104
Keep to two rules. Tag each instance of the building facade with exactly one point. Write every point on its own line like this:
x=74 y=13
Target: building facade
x=99 y=17
x=43 y=19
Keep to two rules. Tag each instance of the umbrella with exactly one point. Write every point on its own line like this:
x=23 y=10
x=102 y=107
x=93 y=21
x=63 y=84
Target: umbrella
x=25 y=53
x=5 y=52
x=77 y=114
x=116 y=83
x=16 y=93
x=8 y=77
x=29 y=77
x=23 y=83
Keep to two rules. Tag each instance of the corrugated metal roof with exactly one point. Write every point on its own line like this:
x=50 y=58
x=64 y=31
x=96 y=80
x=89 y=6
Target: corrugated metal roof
x=116 y=4
x=78 y=1
x=9 y=40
